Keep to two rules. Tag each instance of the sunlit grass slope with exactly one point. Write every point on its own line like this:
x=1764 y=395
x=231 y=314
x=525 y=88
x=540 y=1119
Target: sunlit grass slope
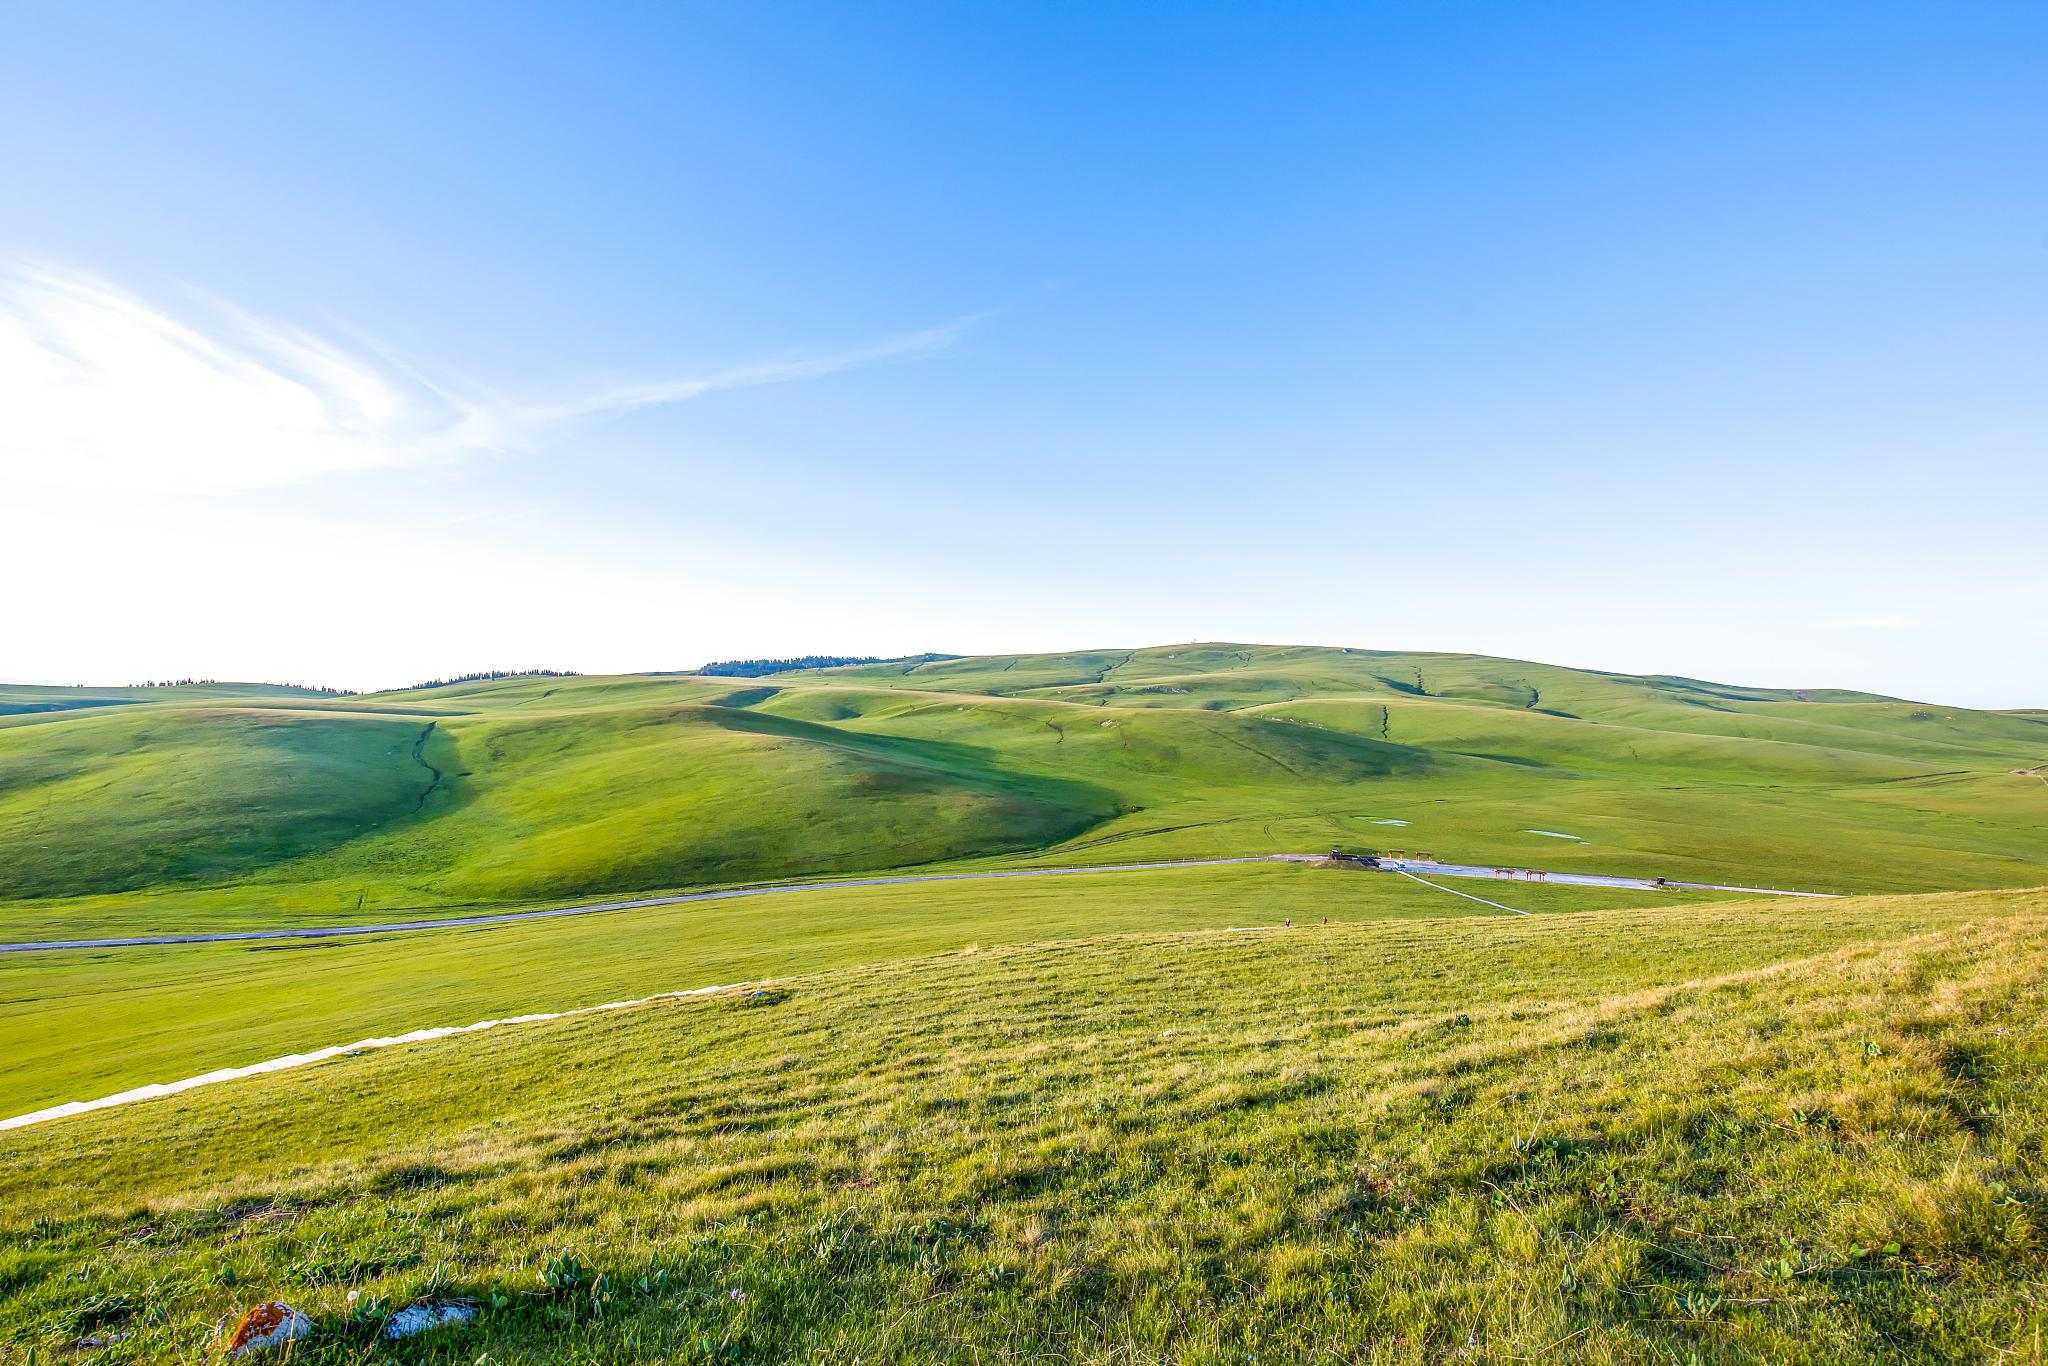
x=617 y=799
x=491 y=806
x=1765 y=1131
x=161 y=809
x=75 y=1024
x=115 y=799
x=26 y=699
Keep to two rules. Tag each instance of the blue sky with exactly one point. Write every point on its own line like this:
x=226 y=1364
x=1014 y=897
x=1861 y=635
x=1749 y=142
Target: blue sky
x=365 y=343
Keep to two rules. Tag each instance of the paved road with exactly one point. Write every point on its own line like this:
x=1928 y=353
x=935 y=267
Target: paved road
x=1639 y=884
x=507 y=917
x=1642 y=884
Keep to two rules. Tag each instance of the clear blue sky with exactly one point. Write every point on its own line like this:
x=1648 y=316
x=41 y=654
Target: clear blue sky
x=361 y=343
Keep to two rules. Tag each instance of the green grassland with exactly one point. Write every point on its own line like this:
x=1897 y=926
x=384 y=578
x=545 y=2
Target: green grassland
x=230 y=806
x=1811 y=1131
x=75 y=1024
x=1107 y=1116
x=27 y=699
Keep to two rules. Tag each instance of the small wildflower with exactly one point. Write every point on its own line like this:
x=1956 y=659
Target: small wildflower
x=738 y=1296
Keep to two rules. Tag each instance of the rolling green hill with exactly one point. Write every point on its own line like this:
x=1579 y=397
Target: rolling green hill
x=229 y=805
x=1103 y=1116
x=1747 y=1132
x=76 y=1025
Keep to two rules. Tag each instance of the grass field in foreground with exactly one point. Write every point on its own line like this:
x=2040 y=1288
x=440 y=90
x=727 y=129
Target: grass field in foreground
x=75 y=1024
x=175 y=809
x=1745 y=1131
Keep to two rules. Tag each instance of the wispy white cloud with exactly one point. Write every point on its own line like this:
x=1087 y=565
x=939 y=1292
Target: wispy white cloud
x=902 y=346
x=100 y=389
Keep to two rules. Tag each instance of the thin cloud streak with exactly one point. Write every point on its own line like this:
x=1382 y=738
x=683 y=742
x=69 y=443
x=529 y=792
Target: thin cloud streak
x=903 y=346
x=100 y=390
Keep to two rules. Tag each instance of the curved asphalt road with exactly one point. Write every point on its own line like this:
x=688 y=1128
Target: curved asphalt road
x=1641 y=884
x=1409 y=866
x=507 y=917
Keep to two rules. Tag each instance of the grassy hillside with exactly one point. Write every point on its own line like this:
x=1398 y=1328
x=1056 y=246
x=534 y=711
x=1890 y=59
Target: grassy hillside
x=80 y=1024
x=23 y=699
x=129 y=797
x=1088 y=1118
x=175 y=808
x=1748 y=1132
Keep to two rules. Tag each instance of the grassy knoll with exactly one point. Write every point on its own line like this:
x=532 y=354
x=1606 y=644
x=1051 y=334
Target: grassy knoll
x=1806 y=1132
x=168 y=808
x=27 y=699
x=117 y=799
x=75 y=1024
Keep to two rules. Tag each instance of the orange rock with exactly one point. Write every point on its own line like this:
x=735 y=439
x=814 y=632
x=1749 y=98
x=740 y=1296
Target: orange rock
x=270 y=1324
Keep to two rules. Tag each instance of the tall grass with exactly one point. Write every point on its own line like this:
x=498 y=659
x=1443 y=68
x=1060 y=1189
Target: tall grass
x=1688 y=1134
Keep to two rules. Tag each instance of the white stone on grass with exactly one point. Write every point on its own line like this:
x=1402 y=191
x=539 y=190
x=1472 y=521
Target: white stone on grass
x=418 y=1318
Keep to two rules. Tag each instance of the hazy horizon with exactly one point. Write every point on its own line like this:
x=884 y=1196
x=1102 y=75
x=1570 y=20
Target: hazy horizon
x=146 y=679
